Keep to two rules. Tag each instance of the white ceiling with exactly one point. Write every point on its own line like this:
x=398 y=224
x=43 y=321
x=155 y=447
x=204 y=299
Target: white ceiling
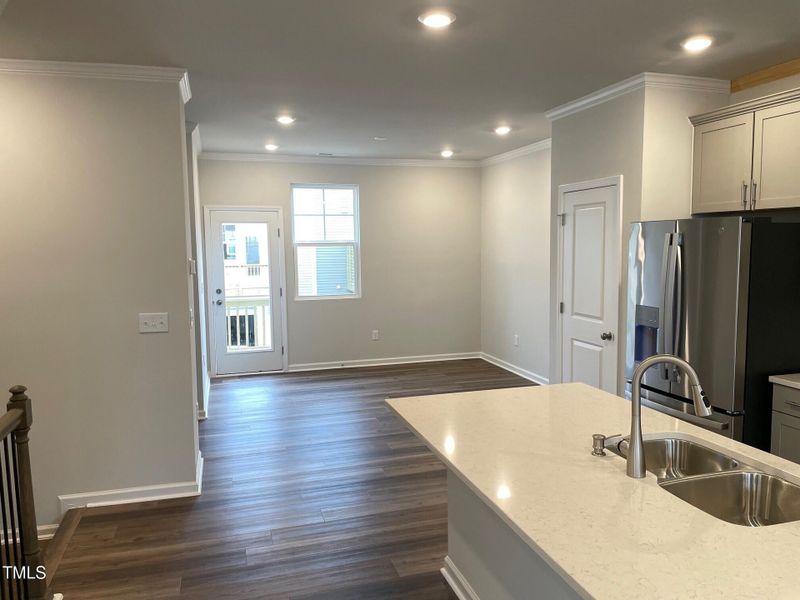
x=354 y=69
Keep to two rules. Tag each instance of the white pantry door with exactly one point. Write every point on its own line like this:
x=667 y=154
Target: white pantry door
x=590 y=254
x=244 y=290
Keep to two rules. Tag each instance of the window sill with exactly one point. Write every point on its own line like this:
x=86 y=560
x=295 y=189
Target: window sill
x=347 y=297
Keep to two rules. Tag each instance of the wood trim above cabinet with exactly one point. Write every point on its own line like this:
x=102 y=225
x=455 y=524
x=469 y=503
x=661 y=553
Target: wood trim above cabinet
x=746 y=107
x=773 y=73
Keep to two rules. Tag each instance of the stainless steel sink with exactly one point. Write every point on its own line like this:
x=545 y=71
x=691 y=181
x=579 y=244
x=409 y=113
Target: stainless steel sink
x=716 y=483
x=747 y=498
x=672 y=458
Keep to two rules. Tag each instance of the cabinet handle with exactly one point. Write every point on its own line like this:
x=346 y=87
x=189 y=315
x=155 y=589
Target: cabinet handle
x=793 y=404
x=754 y=198
x=744 y=195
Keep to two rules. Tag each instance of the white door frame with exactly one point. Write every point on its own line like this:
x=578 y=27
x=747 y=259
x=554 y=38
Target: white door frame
x=614 y=180
x=281 y=263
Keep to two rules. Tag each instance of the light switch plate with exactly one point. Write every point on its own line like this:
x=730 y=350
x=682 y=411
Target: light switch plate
x=153 y=322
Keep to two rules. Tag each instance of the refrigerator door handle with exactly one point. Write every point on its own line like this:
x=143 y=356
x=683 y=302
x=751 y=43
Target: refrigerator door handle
x=677 y=315
x=663 y=323
x=669 y=304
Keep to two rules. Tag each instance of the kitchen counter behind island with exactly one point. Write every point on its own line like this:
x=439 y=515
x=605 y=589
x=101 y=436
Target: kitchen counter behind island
x=533 y=514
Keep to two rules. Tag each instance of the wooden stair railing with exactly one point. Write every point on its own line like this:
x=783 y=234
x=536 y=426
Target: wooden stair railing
x=23 y=573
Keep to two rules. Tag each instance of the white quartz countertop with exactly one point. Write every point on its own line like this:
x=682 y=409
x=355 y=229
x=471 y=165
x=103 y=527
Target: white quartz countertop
x=792 y=380
x=526 y=452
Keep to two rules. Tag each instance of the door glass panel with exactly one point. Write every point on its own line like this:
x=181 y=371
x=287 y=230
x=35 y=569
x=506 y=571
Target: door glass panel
x=248 y=297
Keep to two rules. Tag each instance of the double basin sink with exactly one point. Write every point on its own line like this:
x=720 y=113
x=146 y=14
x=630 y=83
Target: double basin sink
x=719 y=485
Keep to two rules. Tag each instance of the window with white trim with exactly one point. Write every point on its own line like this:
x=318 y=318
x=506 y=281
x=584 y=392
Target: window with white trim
x=326 y=240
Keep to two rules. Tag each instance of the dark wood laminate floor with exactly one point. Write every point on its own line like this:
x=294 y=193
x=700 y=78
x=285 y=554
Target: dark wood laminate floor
x=312 y=489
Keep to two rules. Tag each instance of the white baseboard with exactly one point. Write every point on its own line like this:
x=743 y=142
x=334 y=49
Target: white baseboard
x=457 y=582
x=145 y=493
x=47 y=532
x=379 y=362
x=530 y=375
x=198 y=476
x=43 y=532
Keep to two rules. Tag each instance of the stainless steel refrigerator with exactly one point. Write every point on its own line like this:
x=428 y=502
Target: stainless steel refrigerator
x=723 y=293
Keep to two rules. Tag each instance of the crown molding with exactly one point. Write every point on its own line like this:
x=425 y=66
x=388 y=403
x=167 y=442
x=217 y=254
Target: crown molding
x=338 y=160
x=512 y=154
x=100 y=71
x=637 y=82
x=748 y=106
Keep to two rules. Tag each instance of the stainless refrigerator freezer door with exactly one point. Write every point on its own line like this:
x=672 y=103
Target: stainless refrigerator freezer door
x=648 y=257
x=728 y=425
x=711 y=313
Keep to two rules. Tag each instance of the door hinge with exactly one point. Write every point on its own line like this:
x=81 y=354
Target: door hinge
x=281 y=292
x=283 y=350
x=279 y=232
x=563 y=218
x=561 y=308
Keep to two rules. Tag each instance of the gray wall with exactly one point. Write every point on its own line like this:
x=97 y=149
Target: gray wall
x=667 y=149
x=93 y=191
x=646 y=137
x=515 y=261
x=601 y=141
x=420 y=257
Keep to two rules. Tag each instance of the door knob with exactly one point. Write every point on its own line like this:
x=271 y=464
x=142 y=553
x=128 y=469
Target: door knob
x=219 y=302
x=606 y=336
x=219 y=291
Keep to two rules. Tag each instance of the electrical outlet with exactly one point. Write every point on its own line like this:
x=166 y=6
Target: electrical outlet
x=376 y=335
x=516 y=339
x=153 y=322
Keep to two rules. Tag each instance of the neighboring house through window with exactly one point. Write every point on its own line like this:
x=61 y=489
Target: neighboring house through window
x=252 y=255
x=326 y=240
x=229 y=243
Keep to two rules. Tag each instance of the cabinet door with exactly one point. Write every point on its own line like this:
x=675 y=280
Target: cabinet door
x=723 y=152
x=786 y=436
x=776 y=157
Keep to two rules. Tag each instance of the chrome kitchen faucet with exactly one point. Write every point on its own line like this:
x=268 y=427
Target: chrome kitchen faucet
x=636 y=466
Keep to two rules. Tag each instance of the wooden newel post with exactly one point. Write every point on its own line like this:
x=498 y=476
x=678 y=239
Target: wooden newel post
x=37 y=588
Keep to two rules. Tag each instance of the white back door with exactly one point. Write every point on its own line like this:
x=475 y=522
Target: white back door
x=590 y=254
x=244 y=291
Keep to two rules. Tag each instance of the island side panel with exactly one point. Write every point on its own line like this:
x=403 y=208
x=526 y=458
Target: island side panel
x=486 y=560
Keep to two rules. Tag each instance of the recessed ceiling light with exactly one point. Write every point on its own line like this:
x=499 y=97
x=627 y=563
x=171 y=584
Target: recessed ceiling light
x=271 y=147
x=437 y=19
x=697 y=43
x=380 y=138
x=447 y=153
x=502 y=130
x=285 y=119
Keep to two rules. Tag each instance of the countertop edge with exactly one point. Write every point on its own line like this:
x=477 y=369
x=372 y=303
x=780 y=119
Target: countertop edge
x=784 y=380
x=494 y=507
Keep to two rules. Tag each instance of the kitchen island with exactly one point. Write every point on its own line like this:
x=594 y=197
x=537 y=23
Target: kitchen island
x=533 y=514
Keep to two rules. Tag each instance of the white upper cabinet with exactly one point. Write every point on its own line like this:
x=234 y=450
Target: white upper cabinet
x=723 y=157
x=776 y=157
x=747 y=156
